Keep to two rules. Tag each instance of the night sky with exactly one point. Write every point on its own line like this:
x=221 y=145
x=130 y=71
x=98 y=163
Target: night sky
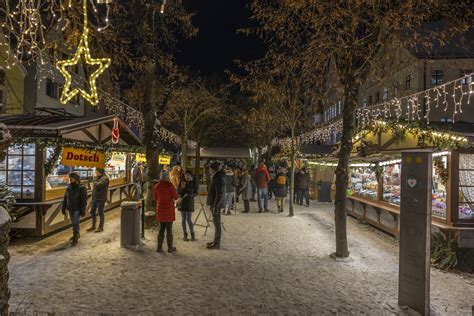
x=215 y=47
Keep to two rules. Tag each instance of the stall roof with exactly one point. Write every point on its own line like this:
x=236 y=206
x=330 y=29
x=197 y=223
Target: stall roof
x=221 y=152
x=96 y=130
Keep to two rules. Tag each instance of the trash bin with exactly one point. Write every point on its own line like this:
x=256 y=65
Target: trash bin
x=130 y=224
x=325 y=192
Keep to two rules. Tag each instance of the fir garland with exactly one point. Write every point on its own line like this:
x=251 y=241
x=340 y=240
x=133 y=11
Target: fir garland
x=60 y=142
x=441 y=170
x=52 y=161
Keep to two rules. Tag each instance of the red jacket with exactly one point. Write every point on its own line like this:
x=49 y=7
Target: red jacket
x=165 y=194
x=262 y=177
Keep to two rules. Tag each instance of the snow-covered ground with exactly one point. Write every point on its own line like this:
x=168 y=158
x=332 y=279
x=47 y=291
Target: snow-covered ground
x=269 y=264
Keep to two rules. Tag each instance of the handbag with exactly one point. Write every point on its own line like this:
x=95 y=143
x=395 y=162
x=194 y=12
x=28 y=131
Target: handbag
x=179 y=202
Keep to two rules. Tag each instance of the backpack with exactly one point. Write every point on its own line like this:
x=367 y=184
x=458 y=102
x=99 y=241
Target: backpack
x=281 y=180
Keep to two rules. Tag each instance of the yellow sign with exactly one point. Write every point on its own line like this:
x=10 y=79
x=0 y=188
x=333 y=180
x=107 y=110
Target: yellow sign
x=164 y=160
x=76 y=157
x=118 y=157
x=140 y=158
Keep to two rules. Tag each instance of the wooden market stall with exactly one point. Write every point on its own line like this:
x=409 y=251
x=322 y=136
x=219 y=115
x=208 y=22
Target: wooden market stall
x=374 y=187
x=46 y=148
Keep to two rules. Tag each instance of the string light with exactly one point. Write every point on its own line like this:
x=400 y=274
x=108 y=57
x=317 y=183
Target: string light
x=82 y=50
x=408 y=107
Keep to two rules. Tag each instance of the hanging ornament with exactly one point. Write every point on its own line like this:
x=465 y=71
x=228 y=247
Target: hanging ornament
x=82 y=52
x=115 y=132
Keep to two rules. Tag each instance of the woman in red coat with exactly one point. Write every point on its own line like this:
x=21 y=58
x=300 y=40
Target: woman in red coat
x=165 y=196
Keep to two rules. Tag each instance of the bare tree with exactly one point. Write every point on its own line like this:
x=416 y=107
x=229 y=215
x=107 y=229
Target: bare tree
x=192 y=103
x=352 y=35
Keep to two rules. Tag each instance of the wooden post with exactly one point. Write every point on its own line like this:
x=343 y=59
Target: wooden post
x=415 y=231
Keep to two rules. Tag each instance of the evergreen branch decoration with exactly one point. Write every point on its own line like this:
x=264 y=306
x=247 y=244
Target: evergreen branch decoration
x=7 y=198
x=441 y=170
x=52 y=161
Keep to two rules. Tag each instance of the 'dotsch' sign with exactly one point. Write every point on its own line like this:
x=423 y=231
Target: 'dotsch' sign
x=76 y=157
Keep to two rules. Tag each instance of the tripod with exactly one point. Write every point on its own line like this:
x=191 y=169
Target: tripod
x=208 y=218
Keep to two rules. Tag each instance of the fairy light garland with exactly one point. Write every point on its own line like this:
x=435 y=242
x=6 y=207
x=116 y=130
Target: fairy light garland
x=406 y=108
x=82 y=51
x=26 y=24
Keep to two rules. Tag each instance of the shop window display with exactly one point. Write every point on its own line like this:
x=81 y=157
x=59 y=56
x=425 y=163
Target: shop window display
x=466 y=186
x=391 y=183
x=18 y=170
x=59 y=176
x=115 y=168
x=438 y=208
x=364 y=182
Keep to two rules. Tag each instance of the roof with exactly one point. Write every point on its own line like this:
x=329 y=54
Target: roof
x=96 y=130
x=221 y=152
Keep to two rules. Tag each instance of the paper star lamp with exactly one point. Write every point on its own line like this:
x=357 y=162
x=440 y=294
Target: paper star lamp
x=82 y=52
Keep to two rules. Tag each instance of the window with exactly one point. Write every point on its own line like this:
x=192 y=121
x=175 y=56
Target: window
x=436 y=77
x=465 y=80
x=18 y=170
x=340 y=107
x=377 y=97
x=466 y=186
x=2 y=77
x=52 y=89
x=370 y=100
x=385 y=94
x=364 y=102
x=408 y=80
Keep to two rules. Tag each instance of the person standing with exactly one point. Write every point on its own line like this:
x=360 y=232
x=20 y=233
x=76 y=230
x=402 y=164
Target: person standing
x=246 y=190
x=253 y=183
x=99 y=197
x=262 y=178
x=229 y=191
x=175 y=176
x=303 y=183
x=187 y=192
x=75 y=201
x=237 y=180
x=271 y=184
x=165 y=195
x=216 y=201
x=295 y=186
x=138 y=178
x=281 y=189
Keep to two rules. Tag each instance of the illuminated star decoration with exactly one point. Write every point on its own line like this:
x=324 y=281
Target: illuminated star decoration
x=82 y=50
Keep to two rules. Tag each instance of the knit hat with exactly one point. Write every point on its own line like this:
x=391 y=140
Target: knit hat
x=215 y=165
x=75 y=176
x=101 y=170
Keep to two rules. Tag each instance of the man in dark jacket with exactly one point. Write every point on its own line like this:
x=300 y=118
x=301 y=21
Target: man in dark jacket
x=75 y=201
x=303 y=183
x=99 y=197
x=216 y=201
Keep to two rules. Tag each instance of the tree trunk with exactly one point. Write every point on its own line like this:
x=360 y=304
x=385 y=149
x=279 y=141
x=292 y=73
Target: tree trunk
x=259 y=155
x=151 y=139
x=342 y=174
x=184 y=152
x=197 y=164
x=292 y=175
x=269 y=152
